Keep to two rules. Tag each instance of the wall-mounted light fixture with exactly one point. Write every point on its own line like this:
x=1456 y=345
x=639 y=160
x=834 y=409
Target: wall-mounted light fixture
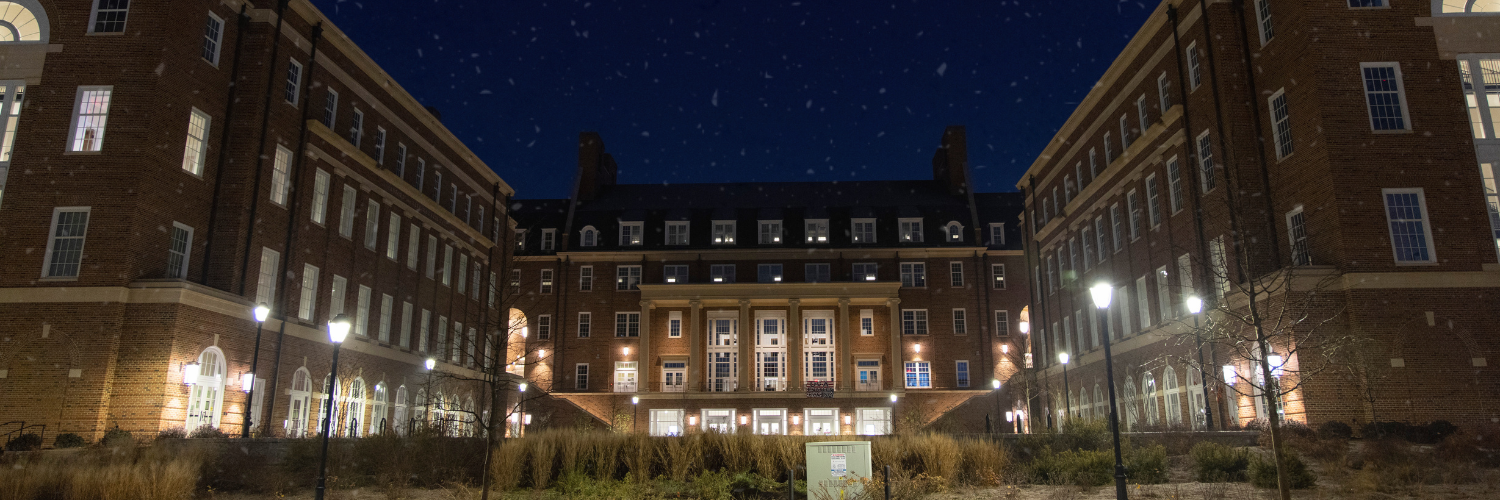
x=626 y=350
x=246 y=381
x=190 y=373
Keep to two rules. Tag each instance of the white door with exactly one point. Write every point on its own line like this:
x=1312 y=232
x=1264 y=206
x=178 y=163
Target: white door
x=869 y=375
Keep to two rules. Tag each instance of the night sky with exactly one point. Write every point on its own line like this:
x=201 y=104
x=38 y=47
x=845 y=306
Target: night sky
x=746 y=91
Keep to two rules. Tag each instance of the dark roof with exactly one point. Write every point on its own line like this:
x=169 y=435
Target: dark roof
x=773 y=195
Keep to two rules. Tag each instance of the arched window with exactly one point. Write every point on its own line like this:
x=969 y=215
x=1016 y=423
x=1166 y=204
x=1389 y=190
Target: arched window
x=23 y=21
x=399 y=422
x=589 y=237
x=354 y=408
x=469 y=421
x=301 y=399
x=379 y=410
x=1153 y=408
x=1195 y=397
x=1100 y=407
x=1174 y=396
x=1083 y=403
x=954 y=232
x=207 y=392
x=1130 y=409
x=439 y=415
x=323 y=415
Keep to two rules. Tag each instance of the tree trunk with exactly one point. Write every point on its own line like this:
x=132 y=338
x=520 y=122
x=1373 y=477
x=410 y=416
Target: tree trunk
x=1268 y=391
x=489 y=435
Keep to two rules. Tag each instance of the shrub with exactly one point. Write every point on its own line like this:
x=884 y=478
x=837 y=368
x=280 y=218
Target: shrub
x=1214 y=462
x=1376 y=430
x=69 y=440
x=1334 y=429
x=117 y=437
x=25 y=442
x=1147 y=464
x=1262 y=471
x=207 y=432
x=173 y=433
x=1082 y=467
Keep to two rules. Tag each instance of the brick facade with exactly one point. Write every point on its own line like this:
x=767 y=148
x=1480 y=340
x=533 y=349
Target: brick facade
x=1417 y=328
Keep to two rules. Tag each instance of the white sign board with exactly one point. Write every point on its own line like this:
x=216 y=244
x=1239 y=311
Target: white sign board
x=839 y=464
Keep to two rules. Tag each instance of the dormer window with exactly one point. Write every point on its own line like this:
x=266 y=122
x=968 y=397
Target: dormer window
x=630 y=233
x=911 y=230
x=520 y=240
x=677 y=233
x=723 y=232
x=955 y=232
x=997 y=235
x=549 y=240
x=863 y=231
x=817 y=231
x=588 y=237
x=770 y=232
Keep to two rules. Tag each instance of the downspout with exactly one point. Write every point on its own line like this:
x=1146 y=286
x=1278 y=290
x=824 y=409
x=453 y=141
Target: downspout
x=1260 y=138
x=1203 y=282
x=241 y=25
x=291 y=223
x=265 y=123
x=1208 y=39
x=1033 y=310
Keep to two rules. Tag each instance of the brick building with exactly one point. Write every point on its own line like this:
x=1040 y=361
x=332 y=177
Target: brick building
x=1316 y=151
x=867 y=305
x=167 y=166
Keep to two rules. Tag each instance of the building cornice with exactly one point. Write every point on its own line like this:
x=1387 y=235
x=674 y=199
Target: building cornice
x=788 y=253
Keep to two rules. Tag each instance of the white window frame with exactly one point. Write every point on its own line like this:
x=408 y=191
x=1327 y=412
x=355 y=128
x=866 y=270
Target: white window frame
x=183 y=258
x=357 y=128
x=549 y=239
x=1195 y=67
x=911 y=229
x=372 y=224
x=330 y=108
x=1124 y=133
x=322 y=181
x=817 y=272
x=338 y=295
x=632 y=234
x=379 y=145
x=213 y=39
x=1164 y=294
x=265 y=285
x=585 y=324
x=447 y=264
x=588 y=237
x=586 y=278
x=393 y=237
x=1153 y=202
x=387 y=303
x=545 y=279
x=1263 y=21
x=770 y=232
x=1133 y=207
x=195 y=150
x=1425 y=221
x=997 y=234
x=914 y=274
x=917 y=368
x=405 y=339
x=94 y=19
x=1002 y=323
x=1142 y=117
x=627 y=324
x=724 y=232
x=674 y=324
x=544 y=327
x=1281 y=124
x=1400 y=96
x=960 y=321
x=914 y=322
x=1163 y=93
x=1143 y=300
x=627 y=277
x=1206 y=168
x=346 y=212
x=961 y=378
x=1174 y=185
x=1296 y=231
x=77 y=144
x=678 y=233
x=768 y=273
x=866 y=322
x=674 y=274
x=865 y=271
x=817 y=231
x=307 y=302
x=997 y=276
x=362 y=312
x=281 y=166
x=956 y=274
x=580 y=376
x=857 y=235
x=954 y=232
x=721 y=273
x=293 y=89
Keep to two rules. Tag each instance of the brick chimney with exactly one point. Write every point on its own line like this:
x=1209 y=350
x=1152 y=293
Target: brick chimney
x=950 y=164
x=596 y=168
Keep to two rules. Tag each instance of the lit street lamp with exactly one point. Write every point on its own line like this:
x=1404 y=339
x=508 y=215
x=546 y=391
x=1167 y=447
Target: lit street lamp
x=338 y=329
x=261 y=312
x=522 y=419
x=1067 y=390
x=1195 y=306
x=635 y=403
x=1101 y=293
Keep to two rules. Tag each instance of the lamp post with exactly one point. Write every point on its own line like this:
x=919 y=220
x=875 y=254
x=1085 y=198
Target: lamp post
x=635 y=412
x=1101 y=293
x=1195 y=306
x=522 y=419
x=261 y=312
x=1025 y=328
x=995 y=384
x=338 y=329
x=1067 y=390
x=427 y=401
